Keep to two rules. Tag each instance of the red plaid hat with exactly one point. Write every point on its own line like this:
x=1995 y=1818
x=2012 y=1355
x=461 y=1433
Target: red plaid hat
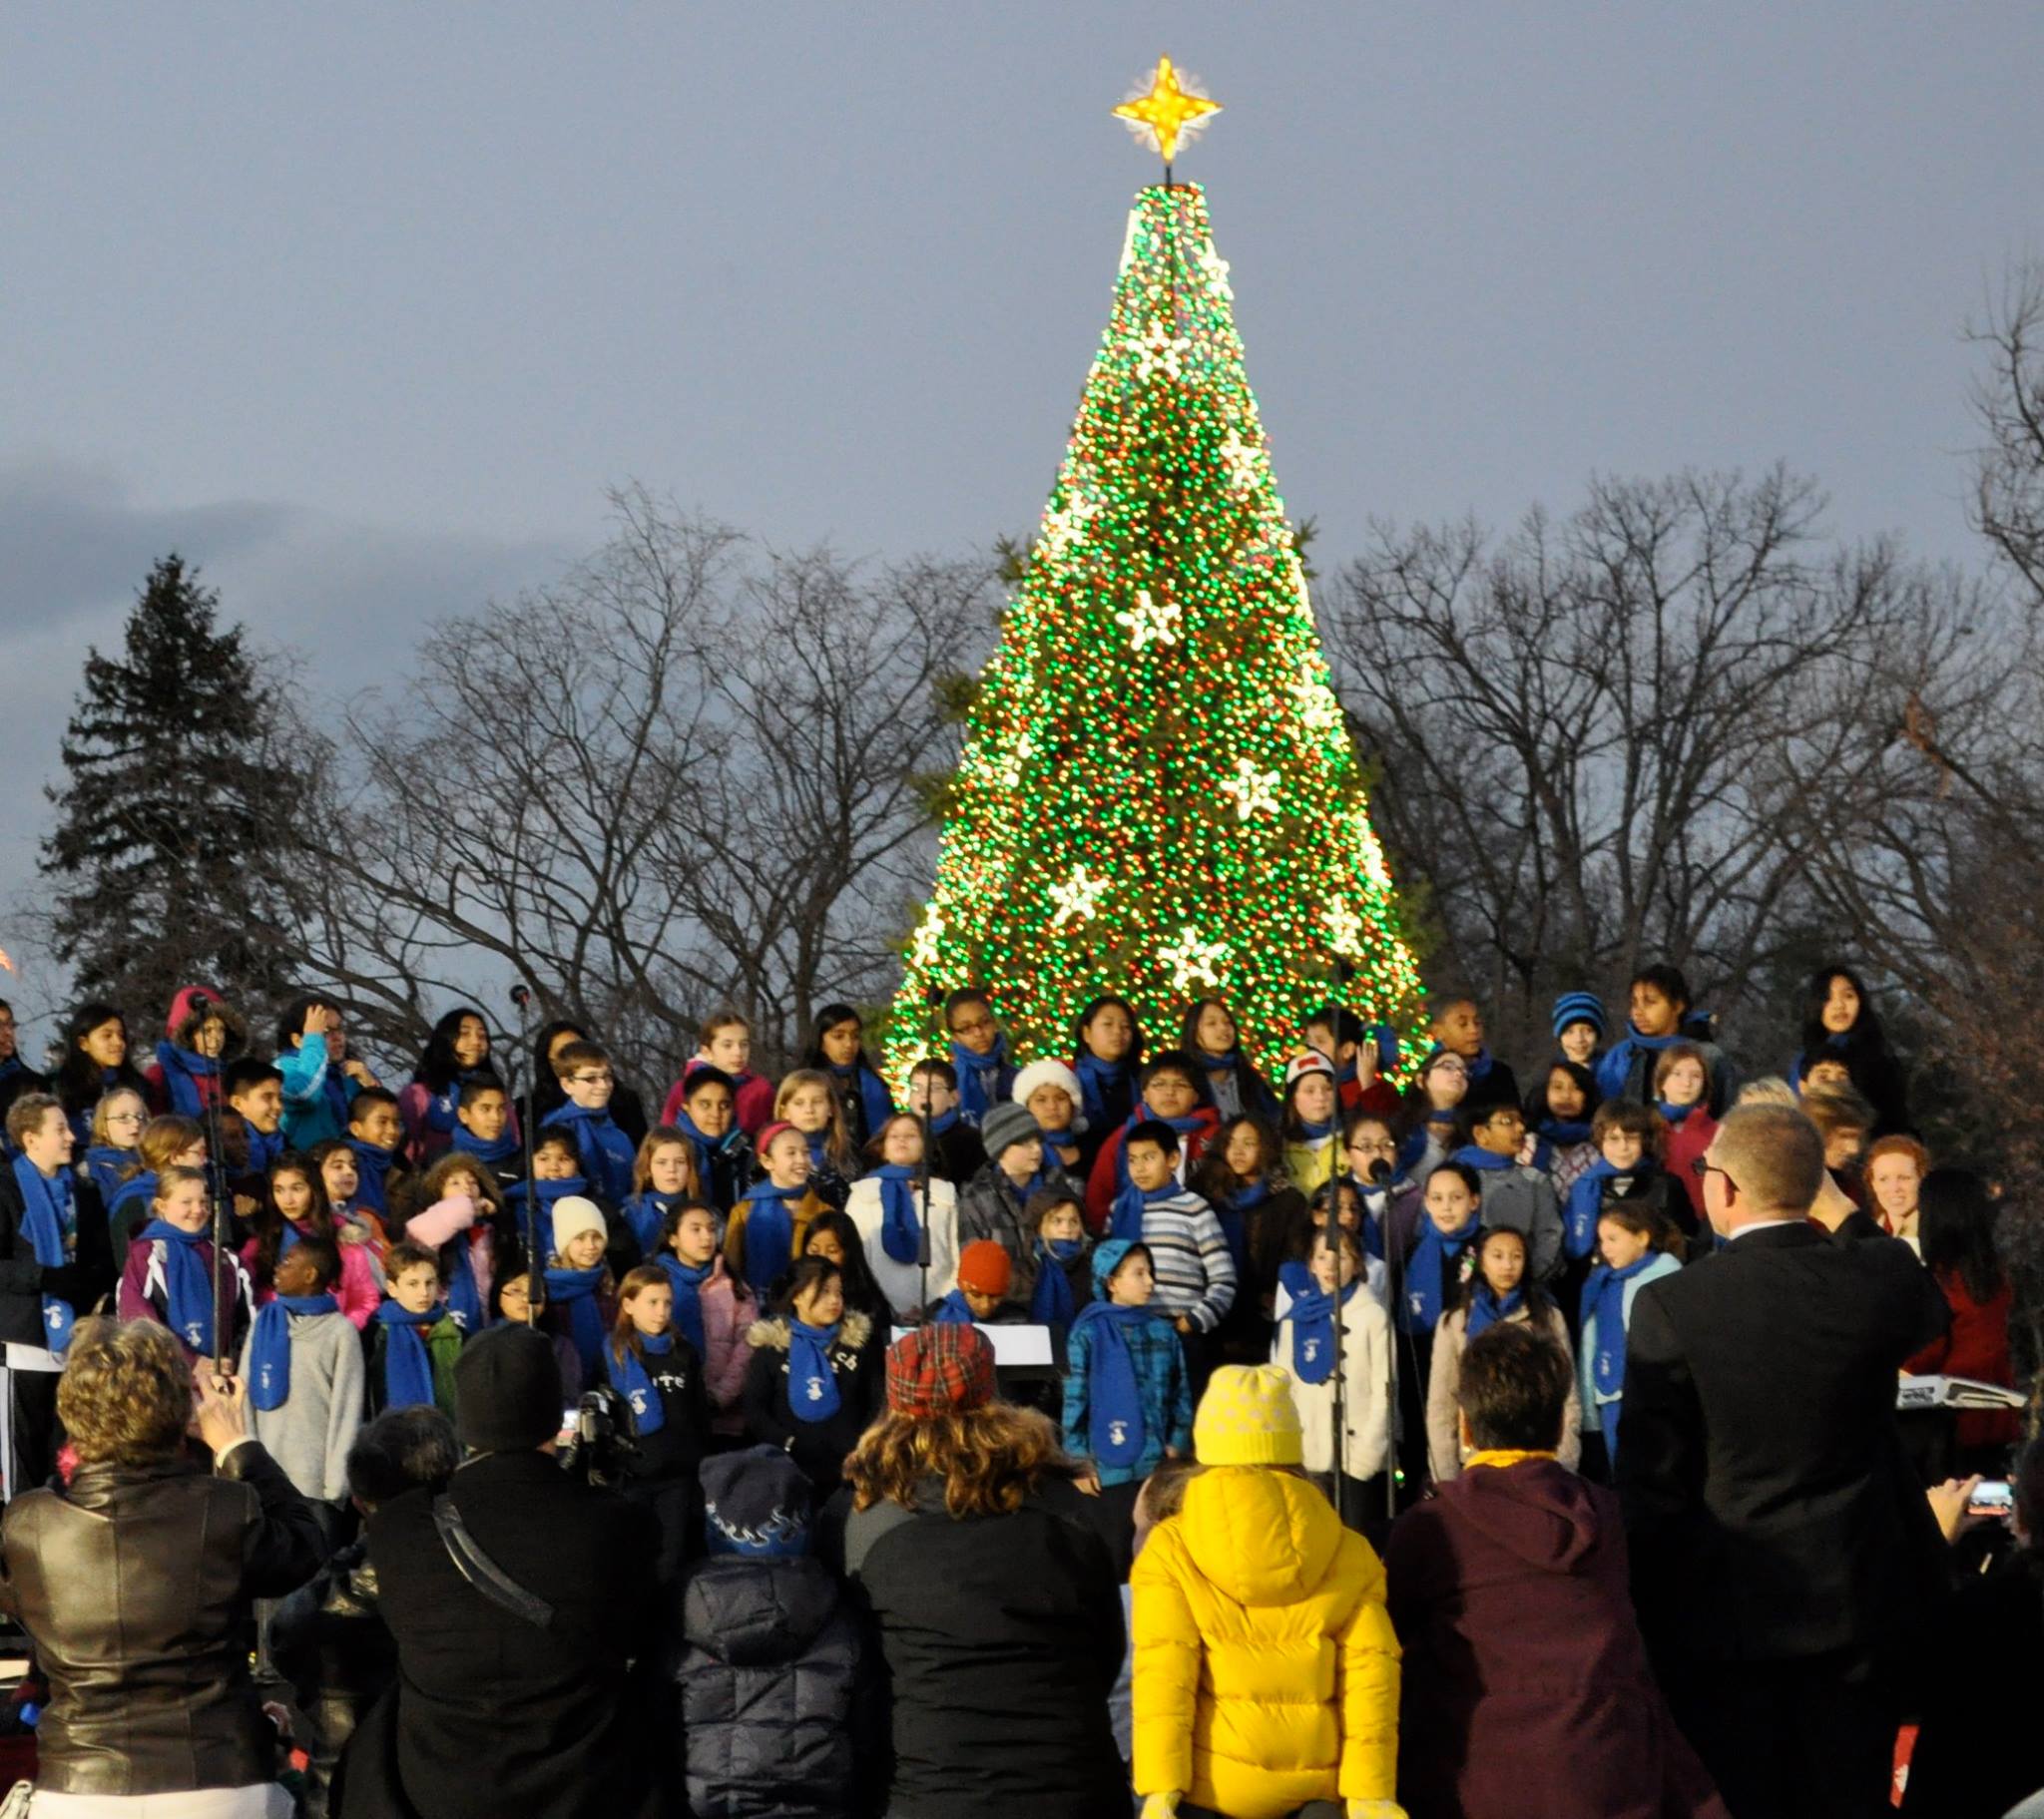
x=943 y=1368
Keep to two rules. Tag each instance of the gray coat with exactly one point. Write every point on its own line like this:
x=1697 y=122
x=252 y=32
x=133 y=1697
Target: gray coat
x=311 y=1432
x=1524 y=1199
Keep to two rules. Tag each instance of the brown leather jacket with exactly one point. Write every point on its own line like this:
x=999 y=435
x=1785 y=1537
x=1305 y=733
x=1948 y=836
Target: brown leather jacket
x=136 y=1585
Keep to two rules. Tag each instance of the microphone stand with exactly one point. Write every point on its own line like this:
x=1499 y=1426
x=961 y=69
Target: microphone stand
x=222 y=1222
x=922 y=1243
x=521 y=996
x=1380 y=1175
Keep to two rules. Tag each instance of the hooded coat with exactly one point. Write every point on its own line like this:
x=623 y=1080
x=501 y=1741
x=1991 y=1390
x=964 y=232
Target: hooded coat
x=766 y=1683
x=1527 y=1691
x=1266 y=1669
x=819 y=1447
x=191 y=1008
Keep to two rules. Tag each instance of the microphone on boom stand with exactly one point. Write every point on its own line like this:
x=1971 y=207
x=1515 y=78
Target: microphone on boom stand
x=521 y=996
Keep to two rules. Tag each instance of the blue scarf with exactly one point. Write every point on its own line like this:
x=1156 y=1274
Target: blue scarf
x=545 y=1192
x=1480 y=1068
x=269 y=1346
x=1430 y=1250
x=1103 y=1087
x=497 y=1149
x=954 y=1310
x=1617 y=1065
x=1114 y=1399
x=1486 y=1310
x=646 y=1213
x=708 y=1149
x=188 y=1282
x=1373 y=1203
x=574 y=1289
x=407 y=1369
x=105 y=1167
x=264 y=1147
x=1051 y=1302
x=333 y=1087
x=605 y=1152
x=901 y=1230
x=1586 y=1201
x=373 y=1163
x=1314 y=1342
x=1675 y=1114
x=464 y=1293
x=181 y=1071
x=1564 y=1133
x=1130 y=1205
x=441 y=1107
x=688 y=1280
x=136 y=1187
x=1604 y=1301
x=983 y=1079
x=635 y=1385
x=768 y=1240
x=943 y=1121
x=875 y=1106
x=812 y=1381
x=1185 y=1126
x=1232 y=1213
x=819 y=1155
x=48 y=1217
x=1480 y=1158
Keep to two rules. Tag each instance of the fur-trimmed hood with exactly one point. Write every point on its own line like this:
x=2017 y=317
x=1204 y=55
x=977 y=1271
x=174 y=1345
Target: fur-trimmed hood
x=191 y=1008
x=772 y=1334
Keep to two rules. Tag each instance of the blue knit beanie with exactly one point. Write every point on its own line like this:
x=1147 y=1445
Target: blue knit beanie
x=1578 y=1006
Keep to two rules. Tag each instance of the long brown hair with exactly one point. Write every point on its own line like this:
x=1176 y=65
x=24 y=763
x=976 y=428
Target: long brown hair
x=269 y=1220
x=623 y=1335
x=989 y=1458
x=642 y=1164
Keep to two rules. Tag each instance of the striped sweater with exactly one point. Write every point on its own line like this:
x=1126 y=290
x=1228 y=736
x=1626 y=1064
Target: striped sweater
x=1190 y=1255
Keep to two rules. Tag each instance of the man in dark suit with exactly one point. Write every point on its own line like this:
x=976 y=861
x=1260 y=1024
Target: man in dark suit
x=1782 y=1553
x=502 y=1709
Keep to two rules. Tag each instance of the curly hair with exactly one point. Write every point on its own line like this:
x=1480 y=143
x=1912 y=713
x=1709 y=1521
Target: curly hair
x=126 y=1394
x=989 y=1458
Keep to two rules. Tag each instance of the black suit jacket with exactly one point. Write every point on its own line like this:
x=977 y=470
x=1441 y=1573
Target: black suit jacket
x=496 y=1718
x=1769 y=1507
x=23 y=1282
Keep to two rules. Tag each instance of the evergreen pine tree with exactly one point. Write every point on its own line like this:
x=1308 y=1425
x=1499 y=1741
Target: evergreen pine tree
x=1157 y=795
x=169 y=819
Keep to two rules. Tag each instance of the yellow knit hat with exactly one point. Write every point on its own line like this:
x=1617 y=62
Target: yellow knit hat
x=1247 y=1418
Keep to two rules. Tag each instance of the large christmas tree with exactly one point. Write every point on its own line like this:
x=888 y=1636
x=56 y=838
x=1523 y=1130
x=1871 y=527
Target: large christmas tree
x=1157 y=795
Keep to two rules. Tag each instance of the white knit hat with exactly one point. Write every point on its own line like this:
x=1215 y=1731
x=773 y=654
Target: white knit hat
x=1307 y=1061
x=574 y=1215
x=1051 y=1073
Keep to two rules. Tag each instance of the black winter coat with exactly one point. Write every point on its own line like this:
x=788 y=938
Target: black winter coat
x=24 y=1283
x=1001 y=1638
x=766 y=1683
x=494 y=1716
x=819 y=1447
x=675 y=1449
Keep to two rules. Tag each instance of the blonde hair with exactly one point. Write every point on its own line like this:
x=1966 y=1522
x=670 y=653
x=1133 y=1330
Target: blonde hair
x=642 y=1164
x=126 y=1394
x=1774 y=1155
x=107 y=1100
x=838 y=1149
x=1769 y=1090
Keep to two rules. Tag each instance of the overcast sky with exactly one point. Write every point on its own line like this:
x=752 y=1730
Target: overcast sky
x=364 y=309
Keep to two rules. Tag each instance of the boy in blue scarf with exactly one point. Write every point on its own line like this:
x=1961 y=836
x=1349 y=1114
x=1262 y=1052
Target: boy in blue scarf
x=956 y=1154
x=375 y=1129
x=303 y=1362
x=252 y=1132
x=979 y=1053
x=483 y=1130
x=607 y=1153
x=414 y=1341
x=1515 y=1194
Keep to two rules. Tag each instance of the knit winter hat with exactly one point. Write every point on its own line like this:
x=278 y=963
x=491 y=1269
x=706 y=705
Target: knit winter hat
x=1005 y=1126
x=1247 y=1418
x=507 y=1391
x=572 y=1216
x=984 y=1265
x=945 y=1368
x=1051 y=1073
x=1307 y=1061
x=1107 y=1259
x=755 y=1502
x=1578 y=1006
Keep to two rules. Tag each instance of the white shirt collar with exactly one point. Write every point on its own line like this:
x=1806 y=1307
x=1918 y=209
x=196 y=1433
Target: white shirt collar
x=1763 y=1225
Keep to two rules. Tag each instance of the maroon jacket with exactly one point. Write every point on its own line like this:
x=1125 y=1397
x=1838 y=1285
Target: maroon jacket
x=1526 y=1686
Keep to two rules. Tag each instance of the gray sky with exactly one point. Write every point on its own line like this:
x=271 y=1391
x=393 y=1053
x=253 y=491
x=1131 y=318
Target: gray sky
x=364 y=311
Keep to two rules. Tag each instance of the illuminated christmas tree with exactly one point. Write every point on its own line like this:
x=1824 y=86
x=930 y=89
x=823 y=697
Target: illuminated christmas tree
x=1158 y=794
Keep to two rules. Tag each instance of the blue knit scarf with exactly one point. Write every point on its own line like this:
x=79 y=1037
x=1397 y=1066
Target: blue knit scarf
x=49 y=1217
x=1132 y=1203
x=901 y=1227
x=1051 y=1302
x=605 y=1152
x=372 y=1162
x=106 y=1168
x=1604 y=1301
x=708 y=1149
x=954 y=1310
x=407 y=1369
x=1430 y=1251
x=1233 y=1215
x=269 y=1346
x=1617 y=1065
x=1103 y=1085
x=183 y=1070
x=1311 y=1314
x=768 y=1243
x=635 y=1382
x=496 y=1150
x=464 y=1292
x=646 y=1213
x=1114 y=1431
x=1486 y=1310
x=983 y=1079
x=1476 y=1157
x=812 y=1380
x=1586 y=1202
x=188 y=1282
x=264 y=1147
x=1676 y=1114
x=574 y=1289
x=688 y=1280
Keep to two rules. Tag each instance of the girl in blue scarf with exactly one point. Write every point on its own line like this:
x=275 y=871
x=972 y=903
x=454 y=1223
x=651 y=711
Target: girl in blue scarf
x=114 y=1150
x=1211 y=1039
x=1127 y=1400
x=840 y=1052
x=807 y=1101
x=95 y=1063
x=457 y=1053
x=1558 y=1113
x=169 y=1267
x=1439 y=1260
x=661 y=1178
x=980 y=1052
x=1106 y=1049
x=813 y=1382
x=581 y=1293
x=1631 y=1242
x=768 y=1223
x=1060 y=1257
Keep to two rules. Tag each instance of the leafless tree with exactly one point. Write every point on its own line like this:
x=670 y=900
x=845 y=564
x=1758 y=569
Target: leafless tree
x=693 y=774
x=2008 y=486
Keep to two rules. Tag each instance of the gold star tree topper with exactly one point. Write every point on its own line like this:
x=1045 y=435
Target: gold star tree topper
x=1169 y=115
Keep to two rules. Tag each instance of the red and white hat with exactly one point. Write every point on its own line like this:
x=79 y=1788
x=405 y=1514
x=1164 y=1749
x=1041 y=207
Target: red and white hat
x=1310 y=1061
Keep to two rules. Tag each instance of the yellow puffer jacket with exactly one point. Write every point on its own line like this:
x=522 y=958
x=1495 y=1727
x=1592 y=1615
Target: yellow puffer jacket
x=1267 y=1672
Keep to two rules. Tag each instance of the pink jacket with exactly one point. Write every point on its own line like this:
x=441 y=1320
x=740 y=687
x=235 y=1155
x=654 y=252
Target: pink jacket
x=755 y=1103
x=727 y=1310
x=359 y=1290
x=447 y=1219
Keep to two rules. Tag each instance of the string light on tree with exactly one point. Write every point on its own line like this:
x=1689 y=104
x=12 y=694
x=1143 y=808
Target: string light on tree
x=1157 y=794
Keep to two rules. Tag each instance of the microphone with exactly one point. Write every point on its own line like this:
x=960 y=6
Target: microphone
x=1379 y=1173
x=521 y=996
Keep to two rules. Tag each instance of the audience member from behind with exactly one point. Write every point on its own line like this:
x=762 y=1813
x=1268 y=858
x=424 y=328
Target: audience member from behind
x=1956 y=1219
x=998 y=1618
x=1526 y=1688
x=765 y=1658
x=329 y=1639
x=1783 y=1553
x=135 y=1583
x=512 y=1692
x=1267 y=1673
